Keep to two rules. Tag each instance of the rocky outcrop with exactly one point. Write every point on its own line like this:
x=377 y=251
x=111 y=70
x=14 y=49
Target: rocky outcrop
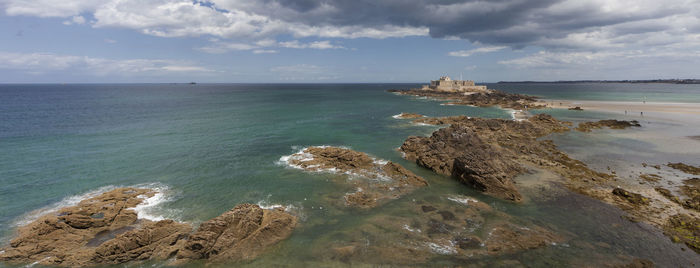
x=482 y=99
x=376 y=180
x=106 y=230
x=610 y=123
x=577 y=108
x=685 y=168
x=241 y=233
x=408 y=116
x=485 y=153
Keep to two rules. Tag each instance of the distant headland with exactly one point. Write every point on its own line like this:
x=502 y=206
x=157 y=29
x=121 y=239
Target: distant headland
x=664 y=81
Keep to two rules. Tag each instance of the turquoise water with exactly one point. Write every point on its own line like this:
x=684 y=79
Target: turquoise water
x=212 y=146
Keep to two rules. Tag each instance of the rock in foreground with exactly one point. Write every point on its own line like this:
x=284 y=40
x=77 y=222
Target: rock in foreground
x=241 y=233
x=376 y=180
x=106 y=230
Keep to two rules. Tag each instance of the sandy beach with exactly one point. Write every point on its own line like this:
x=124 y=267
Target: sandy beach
x=687 y=112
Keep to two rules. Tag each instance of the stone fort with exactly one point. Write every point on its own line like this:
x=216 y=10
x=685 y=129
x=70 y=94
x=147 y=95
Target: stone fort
x=447 y=84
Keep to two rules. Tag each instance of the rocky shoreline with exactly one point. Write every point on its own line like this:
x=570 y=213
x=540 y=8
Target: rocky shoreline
x=488 y=155
x=105 y=230
x=480 y=99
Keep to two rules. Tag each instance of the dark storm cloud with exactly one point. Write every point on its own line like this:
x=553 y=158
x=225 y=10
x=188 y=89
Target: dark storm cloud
x=515 y=23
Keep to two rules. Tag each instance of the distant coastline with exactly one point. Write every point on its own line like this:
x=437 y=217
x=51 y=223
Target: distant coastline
x=662 y=81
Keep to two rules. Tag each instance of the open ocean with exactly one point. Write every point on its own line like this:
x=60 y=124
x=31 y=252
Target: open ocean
x=209 y=147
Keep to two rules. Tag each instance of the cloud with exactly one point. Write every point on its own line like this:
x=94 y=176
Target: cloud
x=47 y=62
x=467 y=53
x=75 y=20
x=265 y=51
x=315 y=45
x=515 y=23
x=219 y=47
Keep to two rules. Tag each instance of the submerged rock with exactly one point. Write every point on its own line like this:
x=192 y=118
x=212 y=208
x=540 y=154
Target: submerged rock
x=456 y=229
x=106 y=230
x=375 y=180
x=610 y=123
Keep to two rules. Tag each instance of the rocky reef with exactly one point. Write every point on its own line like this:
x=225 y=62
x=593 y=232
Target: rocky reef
x=481 y=99
x=609 y=123
x=376 y=180
x=106 y=230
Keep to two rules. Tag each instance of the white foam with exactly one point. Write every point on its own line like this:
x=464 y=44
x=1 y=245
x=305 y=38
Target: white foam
x=145 y=210
x=65 y=202
x=398 y=116
x=408 y=228
x=380 y=161
x=442 y=249
x=462 y=200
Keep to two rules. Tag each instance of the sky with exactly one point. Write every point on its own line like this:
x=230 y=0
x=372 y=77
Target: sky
x=346 y=41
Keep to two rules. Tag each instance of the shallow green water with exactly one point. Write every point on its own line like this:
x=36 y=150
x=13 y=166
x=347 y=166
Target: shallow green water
x=212 y=146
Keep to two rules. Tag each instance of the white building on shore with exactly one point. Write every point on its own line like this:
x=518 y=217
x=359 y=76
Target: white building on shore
x=449 y=85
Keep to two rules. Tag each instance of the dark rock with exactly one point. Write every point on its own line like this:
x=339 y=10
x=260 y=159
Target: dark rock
x=634 y=198
x=610 y=123
x=685 y=168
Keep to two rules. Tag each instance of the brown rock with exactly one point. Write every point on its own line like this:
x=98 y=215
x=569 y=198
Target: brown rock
x=242 y=233
x=105 y=230
x=484 y=153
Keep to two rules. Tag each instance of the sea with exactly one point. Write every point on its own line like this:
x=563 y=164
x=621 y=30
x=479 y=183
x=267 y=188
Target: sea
x=209 y=147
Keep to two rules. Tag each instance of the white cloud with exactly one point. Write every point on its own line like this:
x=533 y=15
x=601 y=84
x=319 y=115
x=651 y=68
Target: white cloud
x=47 y=62
x=178 y=18
x=467 y=53
x=265 y=51
x=219 y=47
x=315 y=45
x=75 y=20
